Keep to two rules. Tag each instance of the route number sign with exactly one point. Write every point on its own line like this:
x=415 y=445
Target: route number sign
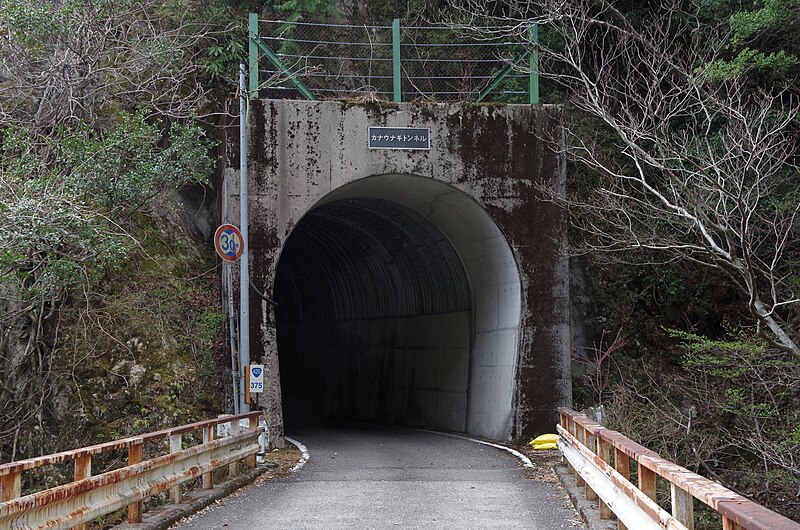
x=229 y=242
x=256 y=378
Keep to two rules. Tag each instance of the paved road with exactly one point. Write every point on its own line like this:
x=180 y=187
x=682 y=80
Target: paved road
x=394 y=477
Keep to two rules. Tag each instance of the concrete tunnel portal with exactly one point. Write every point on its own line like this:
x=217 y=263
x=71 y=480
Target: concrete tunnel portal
x=423 y=287
x=399 y=301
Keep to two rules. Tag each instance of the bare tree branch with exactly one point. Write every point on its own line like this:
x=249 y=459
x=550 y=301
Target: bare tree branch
x=704 y=170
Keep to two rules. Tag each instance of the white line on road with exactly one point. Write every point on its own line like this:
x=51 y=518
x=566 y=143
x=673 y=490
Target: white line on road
x=303 y=449
x=526 y=462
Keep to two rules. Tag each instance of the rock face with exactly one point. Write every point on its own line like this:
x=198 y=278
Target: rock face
x=425 y=287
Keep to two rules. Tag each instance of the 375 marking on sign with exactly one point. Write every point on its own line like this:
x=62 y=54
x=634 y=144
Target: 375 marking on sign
x=256 y=378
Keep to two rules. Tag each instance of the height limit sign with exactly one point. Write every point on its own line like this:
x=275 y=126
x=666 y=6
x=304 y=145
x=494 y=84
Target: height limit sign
x=229 y=242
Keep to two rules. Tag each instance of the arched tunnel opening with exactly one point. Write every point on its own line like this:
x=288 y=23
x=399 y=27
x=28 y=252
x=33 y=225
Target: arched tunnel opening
x=399 y=306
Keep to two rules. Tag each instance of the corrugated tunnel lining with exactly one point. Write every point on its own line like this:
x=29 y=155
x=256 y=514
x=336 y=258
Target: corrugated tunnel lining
x=368 y=258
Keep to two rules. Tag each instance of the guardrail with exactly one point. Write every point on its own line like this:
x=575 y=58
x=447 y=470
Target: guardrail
x=601 y=460
x=88 y=497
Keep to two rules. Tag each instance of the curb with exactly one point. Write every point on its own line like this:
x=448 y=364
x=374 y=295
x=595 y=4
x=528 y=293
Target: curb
x=588 y=510
x=526 y=462
x=306 y=456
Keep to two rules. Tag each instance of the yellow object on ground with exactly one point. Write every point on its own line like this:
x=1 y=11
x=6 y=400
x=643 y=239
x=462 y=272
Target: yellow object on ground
x=545 y=441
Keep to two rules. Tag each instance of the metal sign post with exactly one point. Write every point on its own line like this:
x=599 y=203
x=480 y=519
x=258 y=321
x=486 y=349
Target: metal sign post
x=244 y=271
x=229 y=245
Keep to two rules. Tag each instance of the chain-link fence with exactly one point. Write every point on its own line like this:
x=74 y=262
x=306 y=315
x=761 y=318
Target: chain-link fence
x=347 y=61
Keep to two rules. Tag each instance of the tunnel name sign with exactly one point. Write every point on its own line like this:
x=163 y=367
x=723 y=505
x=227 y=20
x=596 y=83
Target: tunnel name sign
x=410 y=138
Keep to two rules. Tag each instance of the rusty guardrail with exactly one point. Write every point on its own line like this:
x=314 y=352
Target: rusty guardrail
x=590 y=448
x=87 y=497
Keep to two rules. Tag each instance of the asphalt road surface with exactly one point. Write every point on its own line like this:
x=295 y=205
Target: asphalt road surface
x=365 y=476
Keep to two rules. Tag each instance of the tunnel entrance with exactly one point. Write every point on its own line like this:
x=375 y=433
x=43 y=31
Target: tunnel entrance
x=399 y=301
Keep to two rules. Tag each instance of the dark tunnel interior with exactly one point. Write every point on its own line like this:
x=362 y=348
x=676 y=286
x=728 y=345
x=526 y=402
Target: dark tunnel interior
x=374 y=320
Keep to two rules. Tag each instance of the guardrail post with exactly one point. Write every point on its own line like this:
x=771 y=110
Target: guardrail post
x=135 y=457
x=647 y=481
x=580 y=434
x=728 y=524
x=82 y=469
x=251 y=460
x=682 y=506
x=604 y=450
x=574 y=432
x=208 y=436
x=10 y=486
x=566 y=421
x=591 y=443
x=233 y=467
x=175 y=445
x=623 y=466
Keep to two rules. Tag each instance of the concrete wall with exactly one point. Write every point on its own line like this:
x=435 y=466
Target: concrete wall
x=410 y=370
x=480 y=186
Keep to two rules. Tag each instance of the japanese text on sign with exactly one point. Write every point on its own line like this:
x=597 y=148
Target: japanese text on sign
x=399 y=138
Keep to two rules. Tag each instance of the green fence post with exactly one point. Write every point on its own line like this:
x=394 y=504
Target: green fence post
x=398 y=92
x=533 y=77
x=252 y=45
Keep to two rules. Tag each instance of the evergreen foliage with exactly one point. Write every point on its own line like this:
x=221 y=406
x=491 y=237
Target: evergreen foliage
x=64 y=199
